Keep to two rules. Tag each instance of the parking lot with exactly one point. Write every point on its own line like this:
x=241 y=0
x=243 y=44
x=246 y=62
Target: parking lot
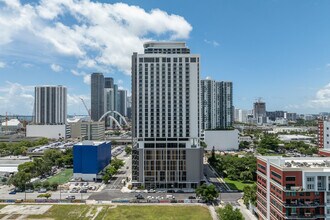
x=80 y=190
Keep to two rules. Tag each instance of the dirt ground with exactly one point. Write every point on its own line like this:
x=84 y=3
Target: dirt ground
x=25 y=209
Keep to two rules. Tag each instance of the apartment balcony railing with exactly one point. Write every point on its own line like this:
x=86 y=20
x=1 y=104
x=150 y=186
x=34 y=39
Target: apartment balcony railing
x=303 y=205
x=305 y=216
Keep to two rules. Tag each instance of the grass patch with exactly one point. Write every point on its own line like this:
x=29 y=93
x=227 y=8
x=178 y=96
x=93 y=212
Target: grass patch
x=82 y=212
x=1 y=206
x=62 y=177
x=158 y=212
x=72 y=212
x=236 y=185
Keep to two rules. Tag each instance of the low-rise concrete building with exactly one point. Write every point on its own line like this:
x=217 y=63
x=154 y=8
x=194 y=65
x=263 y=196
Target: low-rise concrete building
x=221 y=140
x=47 y=131
x=87 y=130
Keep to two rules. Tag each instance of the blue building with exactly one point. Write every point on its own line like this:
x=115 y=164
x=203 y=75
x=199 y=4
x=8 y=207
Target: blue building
x=89 y=158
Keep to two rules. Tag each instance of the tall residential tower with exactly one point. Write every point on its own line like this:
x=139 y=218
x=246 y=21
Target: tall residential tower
x=97 y=96
x=166 y=117
x=217 y=104
x=50 y=105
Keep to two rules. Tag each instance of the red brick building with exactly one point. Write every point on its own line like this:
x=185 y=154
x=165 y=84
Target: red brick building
x=324 y=138
x=293 y=188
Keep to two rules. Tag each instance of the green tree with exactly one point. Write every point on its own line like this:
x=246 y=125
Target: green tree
x=51 y=156
x=20 y=179
x=244 y=145
x=228 y=213
x=270 y=142
x=250 y=195
x=128 y=150
x=117 y=163
x=27 y=167
x=106 y=177
x=246 y=176
x=53 y=186
x=207 y=192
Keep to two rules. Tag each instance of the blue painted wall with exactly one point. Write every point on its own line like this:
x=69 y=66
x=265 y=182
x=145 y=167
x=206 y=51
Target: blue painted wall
x=91 y=159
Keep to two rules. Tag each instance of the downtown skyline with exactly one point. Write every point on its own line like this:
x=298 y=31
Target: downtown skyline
x=277 y=50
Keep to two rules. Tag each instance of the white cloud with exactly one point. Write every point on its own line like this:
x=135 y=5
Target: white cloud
x=75 y=105
x=27 y=65
x=86 y=77
x=2 y=64
x=212 y=42
x=322 y=98
x=16 y=98
x=102 y=36
x=56 y=67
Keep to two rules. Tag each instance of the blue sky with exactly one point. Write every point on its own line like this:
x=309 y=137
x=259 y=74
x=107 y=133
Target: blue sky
x=277 y=50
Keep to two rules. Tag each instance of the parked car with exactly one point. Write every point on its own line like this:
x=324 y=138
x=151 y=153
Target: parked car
x=73 y=191
x=191 y=197
x=180 y=191
x=170 y=191
x=42 y=190
x=29 y=191
x=151 y=191
x=12 y=192
x=170 y=197
x=70 y=197
x=139 y=196
x=86 y=184
x=83 y=191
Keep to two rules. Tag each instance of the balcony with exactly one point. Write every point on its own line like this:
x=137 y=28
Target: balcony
x=303 y=205
x=305 y=216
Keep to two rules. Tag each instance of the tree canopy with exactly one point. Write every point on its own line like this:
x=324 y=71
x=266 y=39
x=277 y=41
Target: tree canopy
x=229 y=213
x=207 y=192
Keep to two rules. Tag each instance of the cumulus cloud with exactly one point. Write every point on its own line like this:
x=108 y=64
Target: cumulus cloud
x=2 y=64
x=16 y=98
x=56 y=67
x=322 y=98
x=212 y=42
x=86 y=77
x=99 y=35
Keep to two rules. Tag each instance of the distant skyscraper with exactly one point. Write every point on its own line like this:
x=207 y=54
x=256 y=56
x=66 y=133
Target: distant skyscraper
x=50 y=105
x=122 y=102
x=97 y=96
x=166 y=117
x=217 y=104
x=129 y=107
x=259 y=111
x=108 y=82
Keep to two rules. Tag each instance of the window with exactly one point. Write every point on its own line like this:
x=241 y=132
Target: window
x=310 y=186
x=310 y=179
x=290 y=178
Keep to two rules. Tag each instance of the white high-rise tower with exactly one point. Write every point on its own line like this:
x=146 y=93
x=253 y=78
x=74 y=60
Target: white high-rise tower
x=50 y=105
x=166 y=116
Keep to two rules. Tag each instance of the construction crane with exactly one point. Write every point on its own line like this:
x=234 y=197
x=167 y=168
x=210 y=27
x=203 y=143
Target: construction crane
x=86 y=107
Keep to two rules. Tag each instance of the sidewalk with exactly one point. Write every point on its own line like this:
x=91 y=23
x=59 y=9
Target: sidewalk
x=246 y=213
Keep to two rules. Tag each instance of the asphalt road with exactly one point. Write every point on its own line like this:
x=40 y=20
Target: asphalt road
x=214 y=179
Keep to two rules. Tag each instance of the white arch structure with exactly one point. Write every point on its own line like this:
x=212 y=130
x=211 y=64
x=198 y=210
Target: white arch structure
x=108 y=112
x=115 y=120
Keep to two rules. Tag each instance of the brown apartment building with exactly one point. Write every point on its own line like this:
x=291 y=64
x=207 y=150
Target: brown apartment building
x=293 y=188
